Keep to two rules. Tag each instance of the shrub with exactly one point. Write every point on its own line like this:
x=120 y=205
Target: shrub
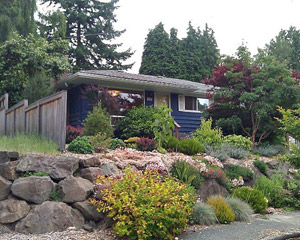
x=272 y=189
x=238 y=141
x=261 y=166
x=186 y=173
x=294 y=156
x=190 y=147
x=241 y=209
x=234 y=171
x=100 y=142
x=236 y=153
x=116 y=143
x=219 y=175
x=219 y=153
x=137 y=122
x=97 y=121
x=253 y=197
x=81 y=145
x=145 y=144
x=131 y=140
x=143 y=206
x=208 y=135
x=223 y=211
x=203 y=214
x=171 y=143
x=72 y=133
x=269 y=150
x=292 y=196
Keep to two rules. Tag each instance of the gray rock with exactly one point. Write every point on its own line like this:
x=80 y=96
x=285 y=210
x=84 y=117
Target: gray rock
x=90 y=173
x=109 y=169
x=33 y=189
x=7 y=170
x=11 y=210
x=3 y=157
x=4 y=188
x=89 y=211
x=58 y=167
x=75 y=189
x=50 y=217
x=90 y=162
x=8 y=156
x=13 y=156
x=4 y=229
x=211 y=187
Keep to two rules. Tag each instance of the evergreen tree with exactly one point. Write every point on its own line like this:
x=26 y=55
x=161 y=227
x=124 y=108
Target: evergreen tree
x=91 y=31
x=16 y=16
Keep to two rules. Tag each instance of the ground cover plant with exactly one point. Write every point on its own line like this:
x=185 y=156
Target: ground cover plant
x=203 y=214
x=23 y=144
x=261 y=166
x=242 y=210
x=81 y=145
x=269 y=150
x=224 y=212
x=235 y=171
x=145 y=207
x=116 y=143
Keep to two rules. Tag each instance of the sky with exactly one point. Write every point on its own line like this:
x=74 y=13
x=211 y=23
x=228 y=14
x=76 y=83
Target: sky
x=254 y=22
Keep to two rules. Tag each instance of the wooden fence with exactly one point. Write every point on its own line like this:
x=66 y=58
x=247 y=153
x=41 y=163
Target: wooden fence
x=46 y=117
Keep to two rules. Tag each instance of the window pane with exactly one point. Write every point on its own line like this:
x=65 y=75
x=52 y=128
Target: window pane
x=191 y=103
x=162 y=99
x=203 y=103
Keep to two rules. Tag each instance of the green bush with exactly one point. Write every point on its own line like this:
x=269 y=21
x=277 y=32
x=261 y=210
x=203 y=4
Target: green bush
x=219 y=153
x=241 y=209
x=234 y=171
x=96 y=122
x=294 y=156
x=253 y=197
x=236 y=153
x=203 y=214
x=269 y=150
x=81 y=145
x=238 y=141
x=190 y=146
x=138 y=122
x=145 y=207
x=100 y=142
x=207 y=135
x=186 y=173
x=261 y=166
x=223 y=211
x=292 y=196
x=272 y=189
x=116 y=143
x=171 y=143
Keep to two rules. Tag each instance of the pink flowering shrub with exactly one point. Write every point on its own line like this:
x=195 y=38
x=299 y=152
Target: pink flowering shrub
x=214 y=173
x=72 y=133
x=145 y=144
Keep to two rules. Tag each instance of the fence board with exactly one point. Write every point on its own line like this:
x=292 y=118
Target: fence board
x=3 y=108
x=15 y=118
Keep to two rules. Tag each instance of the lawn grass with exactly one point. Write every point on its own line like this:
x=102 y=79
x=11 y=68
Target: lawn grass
x=23 y=143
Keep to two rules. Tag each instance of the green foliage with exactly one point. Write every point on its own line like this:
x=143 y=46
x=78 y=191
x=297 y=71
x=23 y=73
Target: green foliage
x=24 y=60
x=242 y=210
x=203 y=214
x=261 y=166
x=269 y=150
x=81 y=145
x=236 y=153
x=186 y=173
x=219 y=153
x=290 y=121
x=293 y=156
x=190 y=146
x=100 y=142
x=116 y=143
x=138 y=122
x=145 y=207
x=223 y=211
x=292 y=194
x=24 y=143
x=272 y=189
x=97 y=121
x=235 y=171
x=253 y=197
x=171 y=143
x=207 y=135
x=145 y=144
x=163 y=124
x=132 y=140
x=55 y=196
x=93 y=40
x=238 y=141
x=37 y=174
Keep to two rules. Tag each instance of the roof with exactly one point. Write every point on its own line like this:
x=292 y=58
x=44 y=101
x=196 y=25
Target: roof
x=123 y=80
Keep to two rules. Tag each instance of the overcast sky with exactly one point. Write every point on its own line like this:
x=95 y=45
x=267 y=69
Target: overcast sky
x=255 y=22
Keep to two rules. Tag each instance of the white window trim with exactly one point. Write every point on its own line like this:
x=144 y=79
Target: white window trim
x=191 y=111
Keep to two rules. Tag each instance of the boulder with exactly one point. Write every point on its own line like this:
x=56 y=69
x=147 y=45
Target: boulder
x=4 y=229
x=11 y=210
x=109 y=169
x=58 y=167
x=75 y=189
x=280 y=167
x=89 y=211
x=4 y=188
x=7 y=170
x=90 y=162
x=8 y=156
x=33 y=189
x=50 y=217
x=211 y=187
x=90 y=173
x=13 y=156
x=3 y=157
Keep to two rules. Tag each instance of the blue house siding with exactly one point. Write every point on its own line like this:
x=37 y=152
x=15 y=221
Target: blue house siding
x=189 y=121
x=149 y=98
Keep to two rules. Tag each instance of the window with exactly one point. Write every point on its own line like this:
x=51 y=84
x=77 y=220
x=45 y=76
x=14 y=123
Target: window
x=188 y=103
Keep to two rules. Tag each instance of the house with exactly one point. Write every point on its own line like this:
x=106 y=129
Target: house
x=187 y=99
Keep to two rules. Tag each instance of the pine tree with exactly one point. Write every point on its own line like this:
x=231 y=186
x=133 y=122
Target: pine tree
x=91 y=32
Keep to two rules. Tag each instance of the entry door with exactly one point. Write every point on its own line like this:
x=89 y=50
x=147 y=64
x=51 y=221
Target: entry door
x=162 y=99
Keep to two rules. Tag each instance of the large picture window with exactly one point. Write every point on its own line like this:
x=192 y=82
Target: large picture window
x=194 y=104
